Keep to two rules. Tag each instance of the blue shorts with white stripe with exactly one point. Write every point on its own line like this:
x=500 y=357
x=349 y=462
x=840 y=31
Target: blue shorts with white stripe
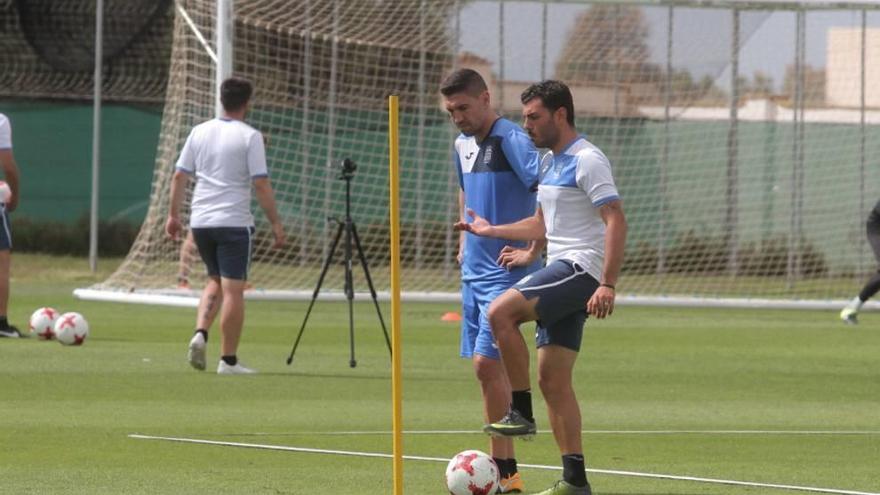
x=563 y=289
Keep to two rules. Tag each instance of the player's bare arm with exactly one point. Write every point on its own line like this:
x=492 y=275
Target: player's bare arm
x=173 y=227
x=527 y=229
x=460 y=256
x=266 y=199
x=602 y=302
x=10 y=174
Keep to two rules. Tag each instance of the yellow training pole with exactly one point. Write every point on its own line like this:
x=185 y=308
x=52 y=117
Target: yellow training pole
x=394 y=206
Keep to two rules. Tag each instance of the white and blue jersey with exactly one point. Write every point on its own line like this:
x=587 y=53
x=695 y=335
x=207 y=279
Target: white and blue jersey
x=225 y=156
x=499 y=177
x=574 y=184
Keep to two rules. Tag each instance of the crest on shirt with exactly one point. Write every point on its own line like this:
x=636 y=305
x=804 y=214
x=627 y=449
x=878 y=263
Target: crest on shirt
x=487 y=155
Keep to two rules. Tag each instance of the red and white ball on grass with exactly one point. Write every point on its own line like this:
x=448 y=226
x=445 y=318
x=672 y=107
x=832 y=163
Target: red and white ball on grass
x=42 y=323
x=472 y=473
x=71 y=329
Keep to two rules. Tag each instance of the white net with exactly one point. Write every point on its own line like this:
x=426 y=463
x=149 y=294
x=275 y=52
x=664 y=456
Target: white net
x=753 y=189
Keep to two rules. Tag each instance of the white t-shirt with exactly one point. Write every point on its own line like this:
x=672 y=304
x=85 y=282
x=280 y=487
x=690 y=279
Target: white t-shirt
x=574 y=184
x=225 y=156
x=5 y=133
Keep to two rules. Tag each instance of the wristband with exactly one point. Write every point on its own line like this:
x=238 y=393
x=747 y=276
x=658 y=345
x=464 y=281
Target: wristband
x=607 y=285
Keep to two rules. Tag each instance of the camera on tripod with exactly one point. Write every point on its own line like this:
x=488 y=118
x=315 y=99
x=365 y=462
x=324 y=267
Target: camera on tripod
x=351 y=247
x=347 y=168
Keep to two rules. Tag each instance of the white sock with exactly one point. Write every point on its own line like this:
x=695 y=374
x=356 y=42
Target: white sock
x=856 y=304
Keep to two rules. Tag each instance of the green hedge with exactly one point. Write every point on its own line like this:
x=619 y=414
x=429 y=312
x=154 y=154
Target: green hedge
x=51 y=237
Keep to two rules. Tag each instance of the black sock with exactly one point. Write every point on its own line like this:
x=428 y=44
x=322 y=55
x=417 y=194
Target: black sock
x=870 y=288
x=573 y=471
x=203 y=332
x=230 y=360
x=522 y=402
x=4 y=323
x=503 y=467
x=511 y=464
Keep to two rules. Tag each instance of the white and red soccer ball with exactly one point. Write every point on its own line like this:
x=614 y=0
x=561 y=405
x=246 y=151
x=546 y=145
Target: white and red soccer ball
x=42 y=323
x=472 y=473
x=71 y=329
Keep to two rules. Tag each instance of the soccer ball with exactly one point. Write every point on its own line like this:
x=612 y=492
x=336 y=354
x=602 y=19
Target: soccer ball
x=71 y=329
x=42 y=323
x=472 y=473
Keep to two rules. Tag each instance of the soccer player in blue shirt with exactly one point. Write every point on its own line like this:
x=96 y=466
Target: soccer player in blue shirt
x=581 y=216
x=497 y=167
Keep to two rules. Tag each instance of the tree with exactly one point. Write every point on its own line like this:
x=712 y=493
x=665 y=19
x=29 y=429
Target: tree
x=762 y=85
x=608 y=43
x=813 y=85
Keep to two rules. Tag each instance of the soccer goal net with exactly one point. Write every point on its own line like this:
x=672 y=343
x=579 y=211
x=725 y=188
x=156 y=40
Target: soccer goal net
x=744 y=136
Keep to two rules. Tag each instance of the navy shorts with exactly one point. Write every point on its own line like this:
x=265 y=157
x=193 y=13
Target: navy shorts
x=563 y=289
x=226 y=251
x=873 y=231
x=5 y=230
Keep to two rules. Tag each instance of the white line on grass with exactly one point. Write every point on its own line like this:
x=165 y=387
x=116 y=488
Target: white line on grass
x=586 y=432
x=533 y=466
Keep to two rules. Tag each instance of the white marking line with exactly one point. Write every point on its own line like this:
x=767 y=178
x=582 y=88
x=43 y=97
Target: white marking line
x=586 y=432
x=533 y=466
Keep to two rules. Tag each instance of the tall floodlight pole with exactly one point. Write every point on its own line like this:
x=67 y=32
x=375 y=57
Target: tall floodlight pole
x=223 y=35
x=96 y=134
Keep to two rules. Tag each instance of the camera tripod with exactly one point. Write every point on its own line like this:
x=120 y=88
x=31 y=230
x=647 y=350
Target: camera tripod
x=348 y=226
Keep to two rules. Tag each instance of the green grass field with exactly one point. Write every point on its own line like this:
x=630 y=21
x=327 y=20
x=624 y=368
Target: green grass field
x=677 y=376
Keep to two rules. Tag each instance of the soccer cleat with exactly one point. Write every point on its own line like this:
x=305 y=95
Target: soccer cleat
x=511 y=484
x=849 y=316
x=196 y=353
x=513 y=424
x=11 y=332
x=564 y=488
x=238 y=369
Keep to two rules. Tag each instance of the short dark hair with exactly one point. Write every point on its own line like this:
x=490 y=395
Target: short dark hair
x=463 y=81
x=235 y=93
x=554 y=95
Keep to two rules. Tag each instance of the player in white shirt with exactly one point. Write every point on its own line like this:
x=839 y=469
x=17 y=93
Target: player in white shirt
x=10 y=174
x=581 y=215
x=226 y=156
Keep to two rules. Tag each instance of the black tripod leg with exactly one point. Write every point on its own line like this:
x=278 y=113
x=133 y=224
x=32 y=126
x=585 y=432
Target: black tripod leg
x=349 y=290
x=357 y=242
x=327 y=263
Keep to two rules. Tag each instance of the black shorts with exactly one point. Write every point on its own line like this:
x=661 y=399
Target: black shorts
x=226 y=251
x=5 y=230
x=873 y=230
x=563 y=289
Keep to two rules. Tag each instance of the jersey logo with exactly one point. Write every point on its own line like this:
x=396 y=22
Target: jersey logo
x=487 y=155
x=469 y=155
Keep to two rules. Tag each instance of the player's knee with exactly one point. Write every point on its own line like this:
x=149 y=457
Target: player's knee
x=500 y=316
x=553 y=383
x=487 y=370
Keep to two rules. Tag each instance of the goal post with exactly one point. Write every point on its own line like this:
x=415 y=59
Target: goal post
x=744 y=171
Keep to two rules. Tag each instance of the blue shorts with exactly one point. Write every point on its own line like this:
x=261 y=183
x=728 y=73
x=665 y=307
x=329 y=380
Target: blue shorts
x=5 y=230
x=563 y=289
x=476 y=334
x=226 y=251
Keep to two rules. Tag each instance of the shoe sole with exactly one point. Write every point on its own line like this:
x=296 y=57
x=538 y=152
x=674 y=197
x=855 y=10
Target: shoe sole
x=492 y=432
x=196 y=357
